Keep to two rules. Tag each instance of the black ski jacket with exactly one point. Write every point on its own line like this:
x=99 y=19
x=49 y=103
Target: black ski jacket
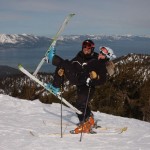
x=83 y=64
x=81 y=60
x=99 y=66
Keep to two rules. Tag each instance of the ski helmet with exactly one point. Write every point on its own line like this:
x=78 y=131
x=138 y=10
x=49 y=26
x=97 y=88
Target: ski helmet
x=88 y=43
x=110 y=54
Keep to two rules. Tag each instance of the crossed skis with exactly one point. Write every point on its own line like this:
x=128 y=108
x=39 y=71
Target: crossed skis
x=44 y=85
x=44 y=59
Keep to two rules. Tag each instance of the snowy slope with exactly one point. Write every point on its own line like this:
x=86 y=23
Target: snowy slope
x=19 y=117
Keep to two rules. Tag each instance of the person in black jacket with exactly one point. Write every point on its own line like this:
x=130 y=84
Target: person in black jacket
x=86 y=70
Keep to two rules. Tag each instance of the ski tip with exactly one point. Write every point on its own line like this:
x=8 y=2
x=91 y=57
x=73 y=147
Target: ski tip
x=125 y=128
x=19 y=65
x=72 y=14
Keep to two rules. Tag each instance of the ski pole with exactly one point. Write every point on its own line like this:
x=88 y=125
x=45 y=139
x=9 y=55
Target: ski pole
x=61 y=116
x=85 y=111
x=61 y=103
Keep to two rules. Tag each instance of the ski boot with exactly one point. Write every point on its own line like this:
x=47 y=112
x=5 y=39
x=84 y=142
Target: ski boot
x=85 y=127
x=82 y=127
x=93 y=123
x=55 y=90
x=51 y=54
x=91 y=120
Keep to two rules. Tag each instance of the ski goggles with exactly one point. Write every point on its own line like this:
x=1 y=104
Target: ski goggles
x=105 y=53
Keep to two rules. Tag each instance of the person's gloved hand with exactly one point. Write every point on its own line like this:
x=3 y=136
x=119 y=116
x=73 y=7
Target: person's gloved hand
x=94 y=75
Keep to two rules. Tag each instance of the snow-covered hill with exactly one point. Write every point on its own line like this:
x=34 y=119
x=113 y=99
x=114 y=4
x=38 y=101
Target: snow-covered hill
x=137 y=63
x=24 y=39
x=20 y=117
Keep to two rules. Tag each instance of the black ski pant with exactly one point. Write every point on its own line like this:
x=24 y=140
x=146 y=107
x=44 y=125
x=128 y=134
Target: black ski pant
x=82 y=100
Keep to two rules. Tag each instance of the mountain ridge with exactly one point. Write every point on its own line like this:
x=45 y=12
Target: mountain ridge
x=29 y=40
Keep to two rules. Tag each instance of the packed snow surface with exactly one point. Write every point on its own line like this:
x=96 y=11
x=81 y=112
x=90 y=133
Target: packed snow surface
x=32 y=125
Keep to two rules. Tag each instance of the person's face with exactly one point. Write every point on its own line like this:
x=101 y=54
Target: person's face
x=102 y=54
x=104 y=50
x=87 y=50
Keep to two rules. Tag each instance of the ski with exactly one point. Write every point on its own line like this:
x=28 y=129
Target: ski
x=113 y=130
x=100 y=131
x=96 y=128
x=44 y=85
x=55 y=38
x=105 y=130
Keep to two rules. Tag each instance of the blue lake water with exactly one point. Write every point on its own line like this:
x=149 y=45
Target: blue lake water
x=30 y=57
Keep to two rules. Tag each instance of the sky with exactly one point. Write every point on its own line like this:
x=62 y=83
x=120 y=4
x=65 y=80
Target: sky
x=44 y=17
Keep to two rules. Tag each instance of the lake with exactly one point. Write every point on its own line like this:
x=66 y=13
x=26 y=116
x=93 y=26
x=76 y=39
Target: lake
x=30 y=57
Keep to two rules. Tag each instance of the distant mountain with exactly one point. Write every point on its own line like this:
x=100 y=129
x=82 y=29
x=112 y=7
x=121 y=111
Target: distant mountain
x=27 y=40
x=22 y=40
x=103 y=37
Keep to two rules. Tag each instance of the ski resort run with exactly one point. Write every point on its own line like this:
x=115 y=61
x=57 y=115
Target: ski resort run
x=27 y=125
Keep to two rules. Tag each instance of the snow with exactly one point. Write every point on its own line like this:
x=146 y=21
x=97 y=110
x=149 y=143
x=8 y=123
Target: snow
x=16 y=38
x=20 y=117
x=8 y=38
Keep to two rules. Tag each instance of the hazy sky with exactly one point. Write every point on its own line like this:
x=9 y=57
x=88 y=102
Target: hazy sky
x=44 y=17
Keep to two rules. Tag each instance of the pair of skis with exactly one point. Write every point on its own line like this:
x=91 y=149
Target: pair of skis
x=44 y=59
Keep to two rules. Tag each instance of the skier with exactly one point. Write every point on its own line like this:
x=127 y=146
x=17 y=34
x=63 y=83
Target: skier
x=86 y=70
